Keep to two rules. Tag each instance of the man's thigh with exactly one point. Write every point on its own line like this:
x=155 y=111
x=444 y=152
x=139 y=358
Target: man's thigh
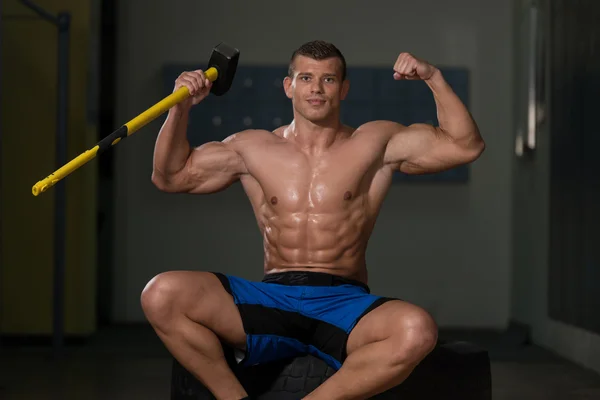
x=207 y=302
x=392 y=319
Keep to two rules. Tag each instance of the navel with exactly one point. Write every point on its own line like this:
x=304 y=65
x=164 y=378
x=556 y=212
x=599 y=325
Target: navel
x=273 y=200
x=348 y=195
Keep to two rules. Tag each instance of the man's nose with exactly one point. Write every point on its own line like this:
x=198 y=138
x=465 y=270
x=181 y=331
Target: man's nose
x=316 y=87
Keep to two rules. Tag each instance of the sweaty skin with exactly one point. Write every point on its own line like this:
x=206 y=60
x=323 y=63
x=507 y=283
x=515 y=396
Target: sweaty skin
x=316 y=186
x=315 y=211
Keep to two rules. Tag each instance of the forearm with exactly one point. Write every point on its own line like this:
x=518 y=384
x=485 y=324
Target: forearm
x=453 y=117
x=172 y=148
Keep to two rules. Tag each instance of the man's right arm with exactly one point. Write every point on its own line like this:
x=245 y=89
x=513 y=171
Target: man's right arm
x=209 y=168
x=177 y=167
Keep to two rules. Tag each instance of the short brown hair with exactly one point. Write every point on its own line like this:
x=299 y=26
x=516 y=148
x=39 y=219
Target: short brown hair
x=318 y=50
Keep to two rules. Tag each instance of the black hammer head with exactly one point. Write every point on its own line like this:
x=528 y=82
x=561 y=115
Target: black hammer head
x=225 y=59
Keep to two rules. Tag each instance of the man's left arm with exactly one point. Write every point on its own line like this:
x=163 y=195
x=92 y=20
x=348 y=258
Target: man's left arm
x=423 y=148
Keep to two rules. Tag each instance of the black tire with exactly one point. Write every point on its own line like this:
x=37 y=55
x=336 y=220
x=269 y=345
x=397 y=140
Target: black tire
x=456 y=370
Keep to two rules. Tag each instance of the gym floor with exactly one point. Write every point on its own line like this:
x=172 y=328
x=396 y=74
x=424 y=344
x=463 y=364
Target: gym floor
x=130 y=363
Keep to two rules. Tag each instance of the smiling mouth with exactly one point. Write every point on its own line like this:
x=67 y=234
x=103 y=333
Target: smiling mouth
x=316 y=102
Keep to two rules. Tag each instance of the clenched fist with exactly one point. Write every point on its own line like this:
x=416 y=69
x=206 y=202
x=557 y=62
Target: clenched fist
x=197 y=83
x=409 y=67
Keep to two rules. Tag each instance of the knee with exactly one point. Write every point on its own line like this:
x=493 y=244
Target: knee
x=159 y=297
x=416 y=335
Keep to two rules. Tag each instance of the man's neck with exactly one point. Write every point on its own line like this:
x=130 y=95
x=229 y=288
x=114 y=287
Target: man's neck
x=311 y=137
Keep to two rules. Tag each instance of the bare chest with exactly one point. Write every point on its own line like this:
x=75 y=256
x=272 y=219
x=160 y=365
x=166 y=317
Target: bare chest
x=290 y=180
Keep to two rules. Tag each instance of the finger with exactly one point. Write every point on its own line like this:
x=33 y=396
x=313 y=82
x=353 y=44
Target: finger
x=191 y=84
x=188 y=78
x=405 y=58
x=193 y=81
x=205 y=84
x=414 y=75
x=398 y=63
x=411 y=66
x=198 y=81
x=179 y=83
x=201 y=77
x=404 y=67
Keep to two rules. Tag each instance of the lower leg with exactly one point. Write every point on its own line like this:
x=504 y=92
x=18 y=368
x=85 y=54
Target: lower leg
x=366 y=372
x=199 y=351
x=190 y=311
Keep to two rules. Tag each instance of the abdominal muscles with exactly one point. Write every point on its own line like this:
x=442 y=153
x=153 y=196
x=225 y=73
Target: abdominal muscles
x=327 y=240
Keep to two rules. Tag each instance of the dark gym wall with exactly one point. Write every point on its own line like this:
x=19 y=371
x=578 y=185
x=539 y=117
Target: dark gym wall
x=554 y=289
x=443 y=246
x=107 y=31
x=28 y=122
x=530 y=194
x=574 y=290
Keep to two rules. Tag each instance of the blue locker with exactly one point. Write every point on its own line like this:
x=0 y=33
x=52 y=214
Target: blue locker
x=388 y=90
x=209 y=122
x=274 y=116
x=357 y=113
x=458 y=79
x=421 y=114
x=393 y=112
x=258 y=84
x=362 y=85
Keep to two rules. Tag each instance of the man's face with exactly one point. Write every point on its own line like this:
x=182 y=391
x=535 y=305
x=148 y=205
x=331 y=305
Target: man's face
x=316 y=88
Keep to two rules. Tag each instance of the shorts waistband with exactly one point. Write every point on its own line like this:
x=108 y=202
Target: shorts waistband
x=309 y=278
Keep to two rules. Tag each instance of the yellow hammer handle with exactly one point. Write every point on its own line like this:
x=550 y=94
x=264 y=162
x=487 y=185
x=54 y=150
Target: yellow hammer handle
x=126 y=130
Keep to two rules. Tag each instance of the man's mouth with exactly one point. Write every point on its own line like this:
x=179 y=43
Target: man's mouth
x=316 y=102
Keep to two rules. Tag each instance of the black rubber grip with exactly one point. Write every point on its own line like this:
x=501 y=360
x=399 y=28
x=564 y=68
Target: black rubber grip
x=106 y=143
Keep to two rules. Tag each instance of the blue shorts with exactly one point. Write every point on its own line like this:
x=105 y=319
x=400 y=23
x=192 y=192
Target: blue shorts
x=290 y=314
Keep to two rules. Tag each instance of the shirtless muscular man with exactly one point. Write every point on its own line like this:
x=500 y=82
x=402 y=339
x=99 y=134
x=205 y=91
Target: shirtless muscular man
x=316 y=187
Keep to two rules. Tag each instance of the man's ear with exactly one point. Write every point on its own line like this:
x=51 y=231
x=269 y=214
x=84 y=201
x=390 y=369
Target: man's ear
x=287 y=86
x=345 y=89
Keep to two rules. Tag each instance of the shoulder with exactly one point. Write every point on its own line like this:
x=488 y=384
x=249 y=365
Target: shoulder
x=379 y=130
x=249 y=137
x=381 y=127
